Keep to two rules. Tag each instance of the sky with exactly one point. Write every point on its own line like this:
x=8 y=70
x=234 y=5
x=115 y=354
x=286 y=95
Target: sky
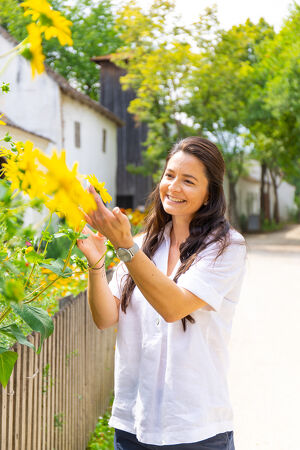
x=233 y=12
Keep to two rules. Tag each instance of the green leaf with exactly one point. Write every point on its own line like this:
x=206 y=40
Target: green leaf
x=57 y=267
x=37 y=319
x=80 y=263
x=7 y=362
x=68 y=232
x=34 y=257
x=14 y=331
x=13 y=290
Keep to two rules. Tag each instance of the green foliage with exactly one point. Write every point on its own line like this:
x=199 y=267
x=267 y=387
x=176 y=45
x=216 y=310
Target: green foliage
x=93 y=34
x=271 y=225
x=5 y=87
x=7 y=362
x=15 y=332
x=23 y=261
x=103 y=435
x=37 y=319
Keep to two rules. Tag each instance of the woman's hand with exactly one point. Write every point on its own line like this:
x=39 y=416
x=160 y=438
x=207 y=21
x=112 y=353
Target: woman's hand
x=93 y=247
x=113 y=224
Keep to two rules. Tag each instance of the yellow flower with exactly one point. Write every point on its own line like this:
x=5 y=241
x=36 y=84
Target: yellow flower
x=22 y=170
x=65 y=193
x=102 y=191
x=28 y=250
x=1 y=121
x=51 y=22
x=33 y=50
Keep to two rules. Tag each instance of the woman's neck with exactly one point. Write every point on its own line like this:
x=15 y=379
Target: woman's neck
x=179 y=232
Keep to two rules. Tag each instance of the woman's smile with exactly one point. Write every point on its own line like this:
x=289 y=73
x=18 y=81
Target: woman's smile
x=184 y=185
x=174 y=200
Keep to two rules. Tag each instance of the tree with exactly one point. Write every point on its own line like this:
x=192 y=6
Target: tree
x=274 y=106
x=93 y=34
x=220 y=84
x=158 y=56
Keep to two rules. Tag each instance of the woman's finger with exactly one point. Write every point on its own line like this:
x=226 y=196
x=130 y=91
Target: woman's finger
x=97 y=198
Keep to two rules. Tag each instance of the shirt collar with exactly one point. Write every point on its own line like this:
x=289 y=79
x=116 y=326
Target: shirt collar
x=167 y=230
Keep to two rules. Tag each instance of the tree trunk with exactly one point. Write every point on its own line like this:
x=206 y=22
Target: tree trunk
x=262 y=192
x=276 y=215
x=232 y=205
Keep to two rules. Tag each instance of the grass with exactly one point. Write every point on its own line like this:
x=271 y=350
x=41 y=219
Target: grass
x=103 y=435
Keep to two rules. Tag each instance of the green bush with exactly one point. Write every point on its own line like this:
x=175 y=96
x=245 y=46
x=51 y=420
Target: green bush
x=103 y=435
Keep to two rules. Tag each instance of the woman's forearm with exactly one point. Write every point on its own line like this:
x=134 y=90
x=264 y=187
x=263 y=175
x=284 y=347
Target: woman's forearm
x=170 y=301
x=102 y=304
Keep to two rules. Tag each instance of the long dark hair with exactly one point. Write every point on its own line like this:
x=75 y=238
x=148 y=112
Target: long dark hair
x=208 y=225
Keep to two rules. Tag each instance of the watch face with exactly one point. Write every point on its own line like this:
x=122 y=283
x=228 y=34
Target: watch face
x=123 y=254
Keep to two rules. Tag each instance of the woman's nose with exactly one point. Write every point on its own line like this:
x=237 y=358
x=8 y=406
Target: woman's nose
x=175 y=185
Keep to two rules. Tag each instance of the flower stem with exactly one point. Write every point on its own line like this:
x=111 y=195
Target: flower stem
x=13 y=50
x=43 y=290
x=69 y=254
x=5 y=313
x=39 y=246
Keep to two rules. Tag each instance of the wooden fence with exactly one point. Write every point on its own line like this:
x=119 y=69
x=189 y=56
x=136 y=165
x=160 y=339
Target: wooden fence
x=53 y=400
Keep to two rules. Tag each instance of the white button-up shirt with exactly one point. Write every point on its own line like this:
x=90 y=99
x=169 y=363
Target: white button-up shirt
x=170 y=385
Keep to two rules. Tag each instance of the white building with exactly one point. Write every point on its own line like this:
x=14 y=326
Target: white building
x=48 y=111
x=248 y=195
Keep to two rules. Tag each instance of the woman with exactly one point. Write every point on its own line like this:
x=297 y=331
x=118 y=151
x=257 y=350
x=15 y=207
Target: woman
x=173 y=297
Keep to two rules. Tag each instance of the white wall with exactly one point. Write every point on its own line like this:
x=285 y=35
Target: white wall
x=33 y=104
x=286 y=194
x=23 y=136
x=90 y=156
x=248 y=196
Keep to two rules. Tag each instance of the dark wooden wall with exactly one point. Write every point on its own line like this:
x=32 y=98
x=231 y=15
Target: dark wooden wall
x=132 y=190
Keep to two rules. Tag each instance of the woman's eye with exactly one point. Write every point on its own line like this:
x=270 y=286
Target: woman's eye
x=168 y=175
x=189 y=181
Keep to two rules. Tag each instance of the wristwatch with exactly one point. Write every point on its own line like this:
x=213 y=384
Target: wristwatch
x=126 y=254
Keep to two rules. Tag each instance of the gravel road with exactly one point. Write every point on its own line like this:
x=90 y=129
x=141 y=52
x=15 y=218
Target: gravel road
x=264 y=376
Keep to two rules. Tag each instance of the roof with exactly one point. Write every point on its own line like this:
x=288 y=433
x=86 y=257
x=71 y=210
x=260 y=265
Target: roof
x=106 y=58
x=12 y=124
x=82 y=98
x=69 y=90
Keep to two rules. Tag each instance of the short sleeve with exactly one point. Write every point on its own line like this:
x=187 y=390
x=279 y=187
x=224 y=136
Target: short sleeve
x=118 y=279
x=213 y=280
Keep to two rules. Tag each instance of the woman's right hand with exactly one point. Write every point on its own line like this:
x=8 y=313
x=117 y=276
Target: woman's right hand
x=93 y=247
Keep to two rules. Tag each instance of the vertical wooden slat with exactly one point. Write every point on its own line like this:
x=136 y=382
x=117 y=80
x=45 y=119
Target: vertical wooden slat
x=57 y=380
x=39 y=395
x=75 y=368
x=49 y=418
x=10 y=404
x=79 y=365
x=71 y=359
x=82 y=367
x=3 y=405
x=17 y=410
x=35 y=395
x=59 y=374
x=23 y=395
x=68 y=384
x=64 y=332
x=54 y=376
x=29 y=382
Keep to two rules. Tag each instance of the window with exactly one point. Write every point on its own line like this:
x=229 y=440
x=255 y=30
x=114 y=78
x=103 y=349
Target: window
x=77 y=134
x=104 y=140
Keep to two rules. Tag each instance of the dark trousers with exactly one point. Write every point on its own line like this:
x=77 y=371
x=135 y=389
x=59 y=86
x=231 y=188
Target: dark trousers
x=128 y=441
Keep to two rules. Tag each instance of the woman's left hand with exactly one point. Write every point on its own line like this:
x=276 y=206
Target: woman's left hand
x=113 y=224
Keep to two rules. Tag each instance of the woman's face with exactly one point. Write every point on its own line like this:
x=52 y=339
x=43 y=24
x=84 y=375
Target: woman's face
x=184 y=185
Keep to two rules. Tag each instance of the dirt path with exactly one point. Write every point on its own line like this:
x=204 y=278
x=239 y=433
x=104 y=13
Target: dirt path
x=264 y=376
